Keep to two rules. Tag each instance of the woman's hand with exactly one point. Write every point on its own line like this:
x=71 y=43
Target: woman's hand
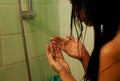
x=58 y=63
x=56 y=59
x=71 y=46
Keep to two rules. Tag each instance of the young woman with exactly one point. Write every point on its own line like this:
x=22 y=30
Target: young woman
x=104 y=62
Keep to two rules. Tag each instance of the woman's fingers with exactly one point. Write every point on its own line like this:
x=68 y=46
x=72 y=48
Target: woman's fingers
x=49 y=55
x=60 y=41
x=54 y=47
x=57 y=51
x=52 y=50
x=47 y=49
x=59 y=44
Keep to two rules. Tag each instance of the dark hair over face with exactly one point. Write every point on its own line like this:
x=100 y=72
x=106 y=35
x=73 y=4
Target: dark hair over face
x=103 y=13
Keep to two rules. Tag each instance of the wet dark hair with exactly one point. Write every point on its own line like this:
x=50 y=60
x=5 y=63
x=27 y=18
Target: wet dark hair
x=105 y=17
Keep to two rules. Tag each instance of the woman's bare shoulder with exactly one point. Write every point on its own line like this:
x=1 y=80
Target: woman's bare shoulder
x=111 y=49
x=110 y=52
x=110 y=60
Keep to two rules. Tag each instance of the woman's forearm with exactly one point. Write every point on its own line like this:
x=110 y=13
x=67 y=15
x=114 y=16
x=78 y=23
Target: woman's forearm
x=85 y=61
x=65 y=76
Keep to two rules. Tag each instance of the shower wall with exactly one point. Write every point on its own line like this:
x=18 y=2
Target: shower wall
x=37 y=32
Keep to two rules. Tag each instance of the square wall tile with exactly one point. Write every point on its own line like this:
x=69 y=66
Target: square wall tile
x=64 y=1
x=65 y=15
x=40 y=1
x=9 y=19
x=13 y=50
x=46 y=1
x=35 y=43
x=49 y=72
x=1 y=75
x=7 y=2
x=51 y=19
x=16 y=72
x=0 y=53
x=37 y=69
x=24 y=1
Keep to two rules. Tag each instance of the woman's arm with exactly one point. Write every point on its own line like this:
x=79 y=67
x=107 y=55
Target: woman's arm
x=66 y=76
x=85 y=60
x=58 y=62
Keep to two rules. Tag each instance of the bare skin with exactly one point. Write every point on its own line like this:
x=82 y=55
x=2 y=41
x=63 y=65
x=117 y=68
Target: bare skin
x=110 y=60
